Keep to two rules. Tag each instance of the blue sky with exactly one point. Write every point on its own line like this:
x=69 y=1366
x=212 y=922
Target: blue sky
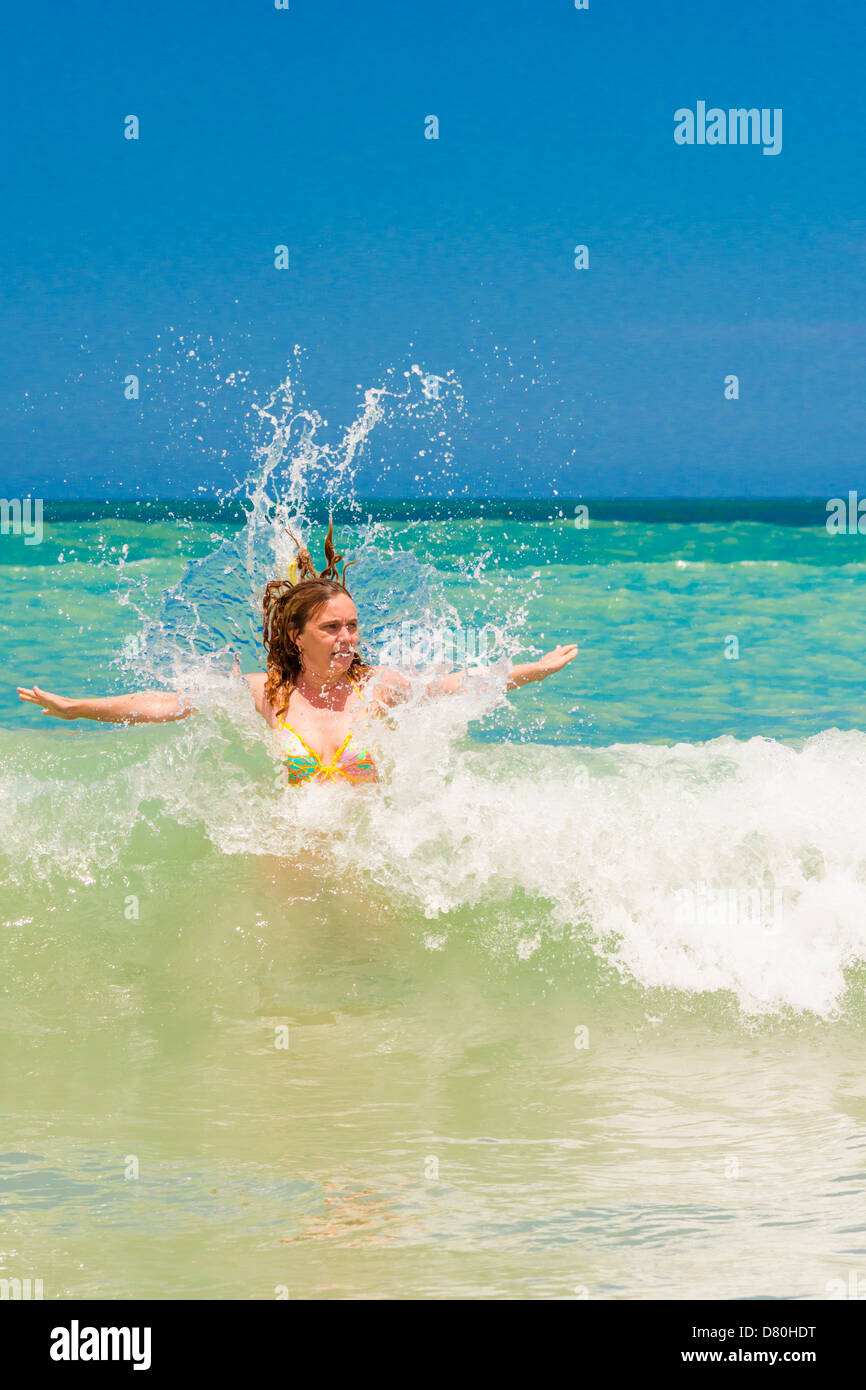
x=306 y=127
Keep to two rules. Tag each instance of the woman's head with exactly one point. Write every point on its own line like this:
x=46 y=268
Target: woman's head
x=311 y=626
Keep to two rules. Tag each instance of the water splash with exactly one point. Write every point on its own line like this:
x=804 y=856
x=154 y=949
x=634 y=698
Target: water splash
x=298 y=473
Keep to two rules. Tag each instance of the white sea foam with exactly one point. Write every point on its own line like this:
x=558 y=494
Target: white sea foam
x=611 y=841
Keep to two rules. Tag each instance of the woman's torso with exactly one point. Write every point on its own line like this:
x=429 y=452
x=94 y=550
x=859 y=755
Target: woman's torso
x=323 y=744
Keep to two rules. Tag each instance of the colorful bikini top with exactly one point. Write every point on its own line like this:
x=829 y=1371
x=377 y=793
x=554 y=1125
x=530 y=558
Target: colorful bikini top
x=302 y=764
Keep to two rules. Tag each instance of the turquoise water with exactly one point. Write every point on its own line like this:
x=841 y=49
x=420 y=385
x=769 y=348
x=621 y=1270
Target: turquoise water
x=651 y=604
x=573 y=1007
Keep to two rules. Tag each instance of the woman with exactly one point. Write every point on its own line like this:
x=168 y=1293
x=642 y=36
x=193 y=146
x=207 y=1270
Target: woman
x=314 y=674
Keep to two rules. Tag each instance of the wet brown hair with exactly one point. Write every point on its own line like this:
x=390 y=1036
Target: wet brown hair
x=287 y=607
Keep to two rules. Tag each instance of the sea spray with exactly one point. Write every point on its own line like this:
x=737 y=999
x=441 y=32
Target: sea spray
x=562 y=822
x=215 y=609
x=455 y=829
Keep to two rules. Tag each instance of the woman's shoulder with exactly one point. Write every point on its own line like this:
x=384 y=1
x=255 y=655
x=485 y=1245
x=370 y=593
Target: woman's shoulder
x=257 y=681
x=385 y=685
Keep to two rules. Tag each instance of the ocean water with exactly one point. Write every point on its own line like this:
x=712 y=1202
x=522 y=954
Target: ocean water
x=571 y=1006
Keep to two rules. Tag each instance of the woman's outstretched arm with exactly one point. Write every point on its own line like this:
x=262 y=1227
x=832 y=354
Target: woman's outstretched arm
x=523 y=674
x=143 y=707
x=542 y=668
x=395 y=687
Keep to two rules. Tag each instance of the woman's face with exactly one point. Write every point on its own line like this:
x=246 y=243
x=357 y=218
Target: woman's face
x=328 y=641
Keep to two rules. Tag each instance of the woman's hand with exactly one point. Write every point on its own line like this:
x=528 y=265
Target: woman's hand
x=555 y=660
x=539 y=670
x=56 y=705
